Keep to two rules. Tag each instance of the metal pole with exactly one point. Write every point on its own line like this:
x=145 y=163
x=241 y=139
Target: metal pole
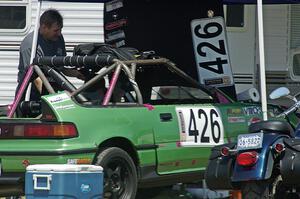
x=34 y=43
x=263 y=90
x=36 y=31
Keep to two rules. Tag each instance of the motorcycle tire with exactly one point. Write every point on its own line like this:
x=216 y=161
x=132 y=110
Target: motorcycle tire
x=267 y=189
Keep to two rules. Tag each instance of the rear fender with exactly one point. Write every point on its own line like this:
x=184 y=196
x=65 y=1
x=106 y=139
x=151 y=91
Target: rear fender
x=264 y=166
x=290 y=163
x=219 y=169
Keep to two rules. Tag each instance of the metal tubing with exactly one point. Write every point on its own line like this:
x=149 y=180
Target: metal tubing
x=44 y=79
x=172 y=66
x=94 y=80
x=133 y=70
x=163 y=61
x=63 y=82
x=112 y=85
x=146 y=61
x=133 y=82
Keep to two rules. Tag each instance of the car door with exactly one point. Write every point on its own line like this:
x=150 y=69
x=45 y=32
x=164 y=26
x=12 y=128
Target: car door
x=185 y=133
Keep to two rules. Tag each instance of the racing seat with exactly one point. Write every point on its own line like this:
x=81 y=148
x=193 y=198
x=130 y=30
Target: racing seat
x=273 y=126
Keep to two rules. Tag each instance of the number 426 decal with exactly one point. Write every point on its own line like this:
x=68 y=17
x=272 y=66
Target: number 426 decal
x=200 y=126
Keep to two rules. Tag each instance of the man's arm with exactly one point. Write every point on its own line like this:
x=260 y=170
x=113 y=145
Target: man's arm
x=73 y=73
x=39 y=84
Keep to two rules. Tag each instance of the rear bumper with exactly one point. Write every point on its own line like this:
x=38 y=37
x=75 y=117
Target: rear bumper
x=11 y=184
x=12 y=178
x=12 y=162
x=49 y=153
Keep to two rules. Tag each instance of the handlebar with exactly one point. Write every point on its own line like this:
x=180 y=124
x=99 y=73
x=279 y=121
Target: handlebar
x=290 y=110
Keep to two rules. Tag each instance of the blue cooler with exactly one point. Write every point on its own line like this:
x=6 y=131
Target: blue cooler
x=63 y=181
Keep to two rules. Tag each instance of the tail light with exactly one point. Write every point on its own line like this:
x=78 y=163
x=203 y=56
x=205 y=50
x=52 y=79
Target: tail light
x=224 y=151
x=279 y=147
x=38 y=130
x=247 y=158
x=254 y=120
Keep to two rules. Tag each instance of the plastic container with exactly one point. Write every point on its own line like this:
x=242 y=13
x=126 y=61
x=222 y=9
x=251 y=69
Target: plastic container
x=63 y=181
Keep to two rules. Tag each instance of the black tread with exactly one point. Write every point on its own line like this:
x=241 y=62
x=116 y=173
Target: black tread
x=115 y=152
x=255 y=190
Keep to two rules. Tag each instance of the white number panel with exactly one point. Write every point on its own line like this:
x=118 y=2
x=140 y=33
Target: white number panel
x=200 y=126
x=211 y=51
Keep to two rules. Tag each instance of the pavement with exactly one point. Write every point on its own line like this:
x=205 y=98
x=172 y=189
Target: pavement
x=166 y=193
x=181 y=192
x=173 y=192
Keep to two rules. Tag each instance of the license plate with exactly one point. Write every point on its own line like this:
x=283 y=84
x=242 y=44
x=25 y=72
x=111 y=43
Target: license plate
x=250 y=141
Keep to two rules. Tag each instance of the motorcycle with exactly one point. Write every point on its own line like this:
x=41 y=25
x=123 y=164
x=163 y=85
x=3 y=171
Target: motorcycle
x=265 y=163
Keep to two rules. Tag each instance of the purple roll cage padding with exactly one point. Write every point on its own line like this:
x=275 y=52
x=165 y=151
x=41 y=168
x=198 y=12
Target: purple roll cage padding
x=112 y=85
x=20 y=92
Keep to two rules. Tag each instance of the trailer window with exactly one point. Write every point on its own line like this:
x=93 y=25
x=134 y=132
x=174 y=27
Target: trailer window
x=12 y=17
x=294 y=66
x=235 y=17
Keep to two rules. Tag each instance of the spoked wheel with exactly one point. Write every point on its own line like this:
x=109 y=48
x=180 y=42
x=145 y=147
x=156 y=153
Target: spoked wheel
x=120 y=176
x=267 y=189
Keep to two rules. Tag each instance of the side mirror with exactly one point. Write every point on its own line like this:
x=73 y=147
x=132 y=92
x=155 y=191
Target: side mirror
x=279 y=92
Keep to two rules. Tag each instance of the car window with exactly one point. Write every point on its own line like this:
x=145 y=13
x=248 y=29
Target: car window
x=178 y=95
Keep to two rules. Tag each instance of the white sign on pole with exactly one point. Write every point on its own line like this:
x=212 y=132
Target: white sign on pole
x=211 y=52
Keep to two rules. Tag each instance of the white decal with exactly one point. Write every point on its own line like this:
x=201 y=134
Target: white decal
x=200 y=126
x=253 y=110
x=58 y=98
x=120 y=34
x=120 y=43
x=211 y=51
x=64 y=107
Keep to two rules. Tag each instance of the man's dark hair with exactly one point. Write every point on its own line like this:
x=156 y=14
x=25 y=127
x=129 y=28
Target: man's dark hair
x=50 y=17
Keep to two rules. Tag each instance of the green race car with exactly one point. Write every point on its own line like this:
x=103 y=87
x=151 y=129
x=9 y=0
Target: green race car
x=154 y=125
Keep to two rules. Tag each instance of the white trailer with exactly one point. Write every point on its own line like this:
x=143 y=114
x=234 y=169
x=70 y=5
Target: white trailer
x=282 y=45
x=83 y=22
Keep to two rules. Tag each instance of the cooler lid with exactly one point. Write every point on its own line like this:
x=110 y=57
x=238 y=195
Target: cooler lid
x=64 y=168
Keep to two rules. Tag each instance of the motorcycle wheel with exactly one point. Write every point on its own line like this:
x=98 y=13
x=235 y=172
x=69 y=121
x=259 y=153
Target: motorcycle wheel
x=267 y=189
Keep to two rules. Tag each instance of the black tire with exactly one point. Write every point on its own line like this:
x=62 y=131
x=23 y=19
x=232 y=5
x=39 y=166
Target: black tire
x=267 y=189
x=120 y=175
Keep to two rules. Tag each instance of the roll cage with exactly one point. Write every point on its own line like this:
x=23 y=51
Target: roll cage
x=108 y=65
